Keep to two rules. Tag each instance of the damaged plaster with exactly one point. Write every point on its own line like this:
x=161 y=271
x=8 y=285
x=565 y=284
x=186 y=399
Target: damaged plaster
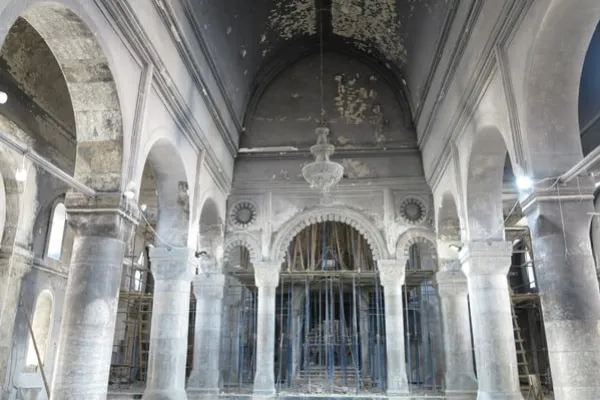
x=370 y=23
x=290 y=19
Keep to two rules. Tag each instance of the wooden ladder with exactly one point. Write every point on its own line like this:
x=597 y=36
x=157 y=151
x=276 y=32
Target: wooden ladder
x=532 y=381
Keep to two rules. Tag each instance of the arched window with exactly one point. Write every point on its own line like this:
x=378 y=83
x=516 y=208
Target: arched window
x=41 y=325
x=57 y=231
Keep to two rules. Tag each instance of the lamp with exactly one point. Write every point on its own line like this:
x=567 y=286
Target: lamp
x=322 y=173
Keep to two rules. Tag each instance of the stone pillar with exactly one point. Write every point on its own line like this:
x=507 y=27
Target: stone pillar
x=89 y=312
x=266 y=276
x=391 y=275
x=566 y=276
x=172 y=270
x=459 y=378
x=208 y=290
x=15 y=263
x=486 y=265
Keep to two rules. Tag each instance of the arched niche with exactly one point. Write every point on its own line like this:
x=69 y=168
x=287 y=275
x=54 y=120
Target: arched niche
x=41 y=328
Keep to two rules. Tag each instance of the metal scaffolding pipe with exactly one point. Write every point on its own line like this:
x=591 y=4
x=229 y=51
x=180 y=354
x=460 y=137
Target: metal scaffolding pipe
x=583 y=165
x=46 y=165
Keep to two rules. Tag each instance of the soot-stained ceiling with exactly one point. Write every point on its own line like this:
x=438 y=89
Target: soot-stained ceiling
x=250 y=41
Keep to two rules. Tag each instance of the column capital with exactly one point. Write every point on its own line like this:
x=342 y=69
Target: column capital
x=579 y=189
x=451 y=283
x=449 y=264
x=208 y=285
x=391 y=272
x=107 y=215
x=209 y=265
x=266 y=274
x=492 y=257
x=172 y=263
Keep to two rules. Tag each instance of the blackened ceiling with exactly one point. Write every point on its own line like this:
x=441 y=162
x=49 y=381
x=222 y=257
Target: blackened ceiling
x=250 y=41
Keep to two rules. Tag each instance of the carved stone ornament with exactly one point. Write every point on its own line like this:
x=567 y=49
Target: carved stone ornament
x=243 y=214
x=413 y=211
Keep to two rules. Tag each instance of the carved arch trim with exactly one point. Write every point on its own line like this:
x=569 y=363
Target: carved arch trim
x=245 y=240
x=412 y=236
x=354 y=218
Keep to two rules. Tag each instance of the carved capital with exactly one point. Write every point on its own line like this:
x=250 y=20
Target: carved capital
x=391 y=272
x=106 y=215
x=451 y=283
x=266 y=274
x=167 y=263
x=491 y=257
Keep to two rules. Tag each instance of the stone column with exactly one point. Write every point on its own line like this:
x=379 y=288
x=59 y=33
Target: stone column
x=15 y=263
x=486 y=266
x=208 y=290
x=89 y=312
x=172 y=270
x=559 y=223
x=266 y=276
x=391 y=275
x=459 y=378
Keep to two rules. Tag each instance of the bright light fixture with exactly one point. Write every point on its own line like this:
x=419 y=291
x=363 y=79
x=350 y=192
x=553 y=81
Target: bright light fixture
x=3 y=97
x=524 y=182
x=21 y=175
x=143 y=207
x=129 y=194
x=455 y=247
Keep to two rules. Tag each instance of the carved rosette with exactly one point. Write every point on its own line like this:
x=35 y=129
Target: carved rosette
x=412 y=211
x=243 y=214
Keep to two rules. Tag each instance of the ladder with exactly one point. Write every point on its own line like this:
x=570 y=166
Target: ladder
x=532 y=381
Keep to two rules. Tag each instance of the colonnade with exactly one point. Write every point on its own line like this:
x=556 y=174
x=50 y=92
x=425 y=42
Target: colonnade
x=570 y=301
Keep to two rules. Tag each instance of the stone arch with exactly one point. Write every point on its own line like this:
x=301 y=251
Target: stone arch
x=551 y=85
x=322 y=214
x=483 y=189
x=415 y=236
x=172 y=224
x=91 y=86
x=245 y=240
x=211 y=228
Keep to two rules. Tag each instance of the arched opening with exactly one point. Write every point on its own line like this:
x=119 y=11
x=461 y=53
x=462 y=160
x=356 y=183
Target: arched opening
x=41 y=327
x=57 y=231
x=163 y=203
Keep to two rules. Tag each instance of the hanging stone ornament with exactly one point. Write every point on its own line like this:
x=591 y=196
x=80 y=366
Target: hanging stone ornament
x=243 y=214
x=413 y=211
x=323 y=173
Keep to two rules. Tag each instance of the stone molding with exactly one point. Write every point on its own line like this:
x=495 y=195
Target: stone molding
x=337 y=213
x=449 y=264
x=266 y=274
x=168 y=263
x=391 y=272
x=412 y=236
x=491 y=257
x=245 y=240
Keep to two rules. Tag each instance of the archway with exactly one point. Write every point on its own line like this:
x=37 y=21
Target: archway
x=164 y=223
x=93 y=121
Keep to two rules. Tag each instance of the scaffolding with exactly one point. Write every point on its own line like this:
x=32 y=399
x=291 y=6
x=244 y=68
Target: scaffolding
x=330 y=321
x=134 y=315
x=528 y=324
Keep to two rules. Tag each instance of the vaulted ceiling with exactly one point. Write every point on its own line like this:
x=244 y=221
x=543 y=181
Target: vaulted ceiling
x=251 y=41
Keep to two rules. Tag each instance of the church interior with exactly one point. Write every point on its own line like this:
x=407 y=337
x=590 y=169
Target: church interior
x=371 y=199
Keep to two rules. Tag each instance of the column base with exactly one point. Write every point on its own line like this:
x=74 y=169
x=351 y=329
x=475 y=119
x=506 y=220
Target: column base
x=165 y=394
x=261 y=393
x=461 y=394
x=499 y=396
